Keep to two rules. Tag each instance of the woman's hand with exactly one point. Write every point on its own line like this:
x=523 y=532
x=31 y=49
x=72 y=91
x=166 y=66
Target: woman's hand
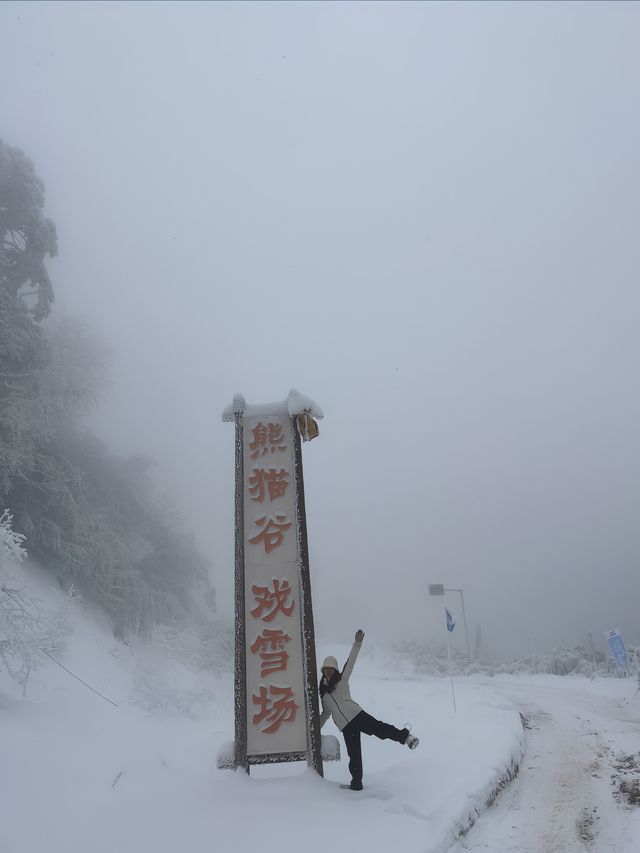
x=359 y=635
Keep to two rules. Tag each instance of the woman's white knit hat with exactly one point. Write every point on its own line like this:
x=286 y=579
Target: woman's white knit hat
x=330 y=661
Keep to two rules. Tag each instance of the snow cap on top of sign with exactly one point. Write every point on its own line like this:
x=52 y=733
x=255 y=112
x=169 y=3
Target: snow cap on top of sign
x=236 y=408
x=295 y=404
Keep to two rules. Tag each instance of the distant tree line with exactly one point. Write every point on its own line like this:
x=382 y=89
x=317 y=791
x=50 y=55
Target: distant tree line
x=431 y=658
x=88 y=516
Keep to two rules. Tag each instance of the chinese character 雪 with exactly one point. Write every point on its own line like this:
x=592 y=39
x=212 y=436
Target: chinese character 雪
x=273 y=657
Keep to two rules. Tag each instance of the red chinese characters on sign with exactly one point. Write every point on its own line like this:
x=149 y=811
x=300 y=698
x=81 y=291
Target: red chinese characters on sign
x=266 y=437
x=277 y=706
x=270 y=645
x=273 y=600
x=272 y=532
x=270 y=482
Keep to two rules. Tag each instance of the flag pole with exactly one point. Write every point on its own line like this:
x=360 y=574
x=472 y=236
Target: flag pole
x=453 y=692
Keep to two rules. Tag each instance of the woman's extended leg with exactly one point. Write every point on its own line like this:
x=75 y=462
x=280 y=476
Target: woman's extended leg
x=370 y=726
x=351 y=734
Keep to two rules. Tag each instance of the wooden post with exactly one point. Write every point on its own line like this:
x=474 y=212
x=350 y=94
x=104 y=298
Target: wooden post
x=239 y=669
x=314 y=755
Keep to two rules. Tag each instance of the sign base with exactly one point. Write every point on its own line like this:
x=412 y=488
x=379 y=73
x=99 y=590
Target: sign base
x=329 y=750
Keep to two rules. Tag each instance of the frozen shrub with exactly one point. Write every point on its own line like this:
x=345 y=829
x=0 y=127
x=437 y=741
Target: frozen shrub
x=431 y=659
x=177 y=666
x=26 y=624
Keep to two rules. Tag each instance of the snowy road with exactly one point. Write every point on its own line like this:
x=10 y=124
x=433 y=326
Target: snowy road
x=582 y=744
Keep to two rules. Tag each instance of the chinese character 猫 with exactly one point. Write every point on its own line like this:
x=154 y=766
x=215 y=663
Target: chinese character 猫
x=272 y=600
x=266 y=437
x=272 y=532
x=283 y=710
x=272 y=654
x=275 y=482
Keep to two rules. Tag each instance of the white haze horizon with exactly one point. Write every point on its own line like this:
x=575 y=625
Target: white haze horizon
x=424 y=217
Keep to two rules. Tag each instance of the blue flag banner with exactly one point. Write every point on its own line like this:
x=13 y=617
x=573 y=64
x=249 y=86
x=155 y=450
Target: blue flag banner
x=450 y=621
x=618 y=649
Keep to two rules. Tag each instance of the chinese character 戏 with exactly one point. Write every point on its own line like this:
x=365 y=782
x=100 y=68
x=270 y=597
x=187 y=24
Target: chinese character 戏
x=273 y=600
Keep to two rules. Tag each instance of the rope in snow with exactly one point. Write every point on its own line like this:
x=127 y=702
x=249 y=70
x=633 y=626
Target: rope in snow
x=78 y=679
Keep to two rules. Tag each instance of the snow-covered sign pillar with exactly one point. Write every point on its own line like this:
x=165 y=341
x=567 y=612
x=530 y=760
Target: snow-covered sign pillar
x=276 y=701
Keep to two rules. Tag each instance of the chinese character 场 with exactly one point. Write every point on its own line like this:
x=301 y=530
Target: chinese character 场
x=272 y=600
x=272 y=654
x=266 y=437
x=282 y=710
x=272 y=533
x=272 y=482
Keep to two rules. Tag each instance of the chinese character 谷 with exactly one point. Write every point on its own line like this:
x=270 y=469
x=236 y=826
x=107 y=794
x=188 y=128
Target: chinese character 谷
x=272 y=533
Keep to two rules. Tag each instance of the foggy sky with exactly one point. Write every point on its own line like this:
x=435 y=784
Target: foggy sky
x=423 y=216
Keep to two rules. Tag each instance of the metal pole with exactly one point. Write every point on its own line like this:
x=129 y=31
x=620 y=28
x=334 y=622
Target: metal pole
x=453 y=692
x=464 y=619
x=466 y=629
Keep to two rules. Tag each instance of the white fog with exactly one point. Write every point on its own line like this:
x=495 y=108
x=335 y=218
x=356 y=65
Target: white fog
x=423 y=216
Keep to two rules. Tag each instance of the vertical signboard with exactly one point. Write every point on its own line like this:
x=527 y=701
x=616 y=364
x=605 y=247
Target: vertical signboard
x=275 y=678
x=275 y=673
x=618 y=649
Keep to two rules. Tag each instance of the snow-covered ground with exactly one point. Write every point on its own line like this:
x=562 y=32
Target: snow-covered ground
x=579 y=785
x=79 y=774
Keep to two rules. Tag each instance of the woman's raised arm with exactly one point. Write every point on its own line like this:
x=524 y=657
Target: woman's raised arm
x=348 y=667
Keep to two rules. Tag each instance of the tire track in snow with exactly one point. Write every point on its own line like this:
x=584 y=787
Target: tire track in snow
x=561 y=801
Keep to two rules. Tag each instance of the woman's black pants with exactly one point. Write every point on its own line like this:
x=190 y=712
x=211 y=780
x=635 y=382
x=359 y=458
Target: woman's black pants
x=364 y=722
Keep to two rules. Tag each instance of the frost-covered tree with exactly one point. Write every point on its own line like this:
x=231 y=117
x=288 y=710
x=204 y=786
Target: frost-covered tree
x=94 y=520
x=11 y=543
x=24 y=423
x=26 y=235
x=89 y=517
x=26 y=625
x=48 y=378
x=26 y=294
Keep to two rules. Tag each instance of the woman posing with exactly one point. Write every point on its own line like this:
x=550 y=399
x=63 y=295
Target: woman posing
x=349 y=716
